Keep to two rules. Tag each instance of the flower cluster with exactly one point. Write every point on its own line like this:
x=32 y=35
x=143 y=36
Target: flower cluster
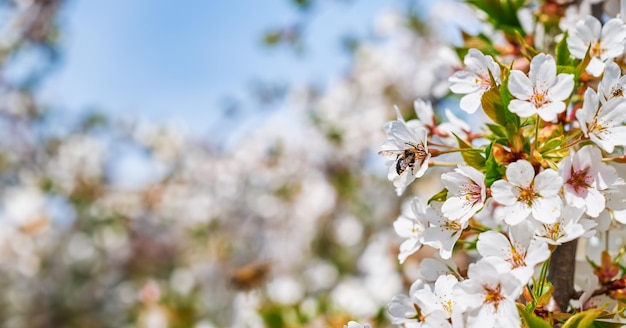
x=540 y=174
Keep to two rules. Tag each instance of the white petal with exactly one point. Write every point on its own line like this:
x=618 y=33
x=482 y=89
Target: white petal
x=493 y=243
x=549 y=111
x=547 y=210
x=520 y=173
x=595 y=202
x=516 y=213
x=548 y=183
x=504 y=192
x=520 y=85
x=563 y=87
x=542 y=71
x=471 y=102
x=595 y=66
x=522 y=108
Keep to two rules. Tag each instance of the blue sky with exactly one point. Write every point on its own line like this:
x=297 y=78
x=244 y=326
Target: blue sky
x=164 y=60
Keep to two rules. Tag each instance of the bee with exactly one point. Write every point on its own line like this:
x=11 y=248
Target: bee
x=250 y=275
x=406 y=158
x=617 y=91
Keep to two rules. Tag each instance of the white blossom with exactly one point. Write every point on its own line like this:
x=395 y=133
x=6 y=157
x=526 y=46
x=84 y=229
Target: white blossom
x=604 y=42
x=475 y=79
x=488 y=296
x=407 y=153
x=584 y=176
x=525 y=194
x=542 y=92
x=603 y=124
x=443 y=232
x=422 y=308
x=519 y=253
x=612 y=84
x=466 y=193
x=568 y=227
x=411 y=226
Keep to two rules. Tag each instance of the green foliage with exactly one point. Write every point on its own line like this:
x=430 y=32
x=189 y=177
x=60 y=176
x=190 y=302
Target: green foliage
x=493 y=170
x=272 y=38
x=583 y=319
x=439 y=197
x=472 y=156
x=481 y=42
x=580 y=68
x=493 y=105
x=530 y=320
x=528 y=51
x=563 y=56
x=502 y=14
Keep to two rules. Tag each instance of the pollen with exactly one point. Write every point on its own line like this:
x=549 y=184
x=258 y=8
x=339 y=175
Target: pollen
x=579 y=180
x=538 y=98
x=527 y=195
x=494 y=296
x=596 y=50
x=554 y=231
x=517 y=259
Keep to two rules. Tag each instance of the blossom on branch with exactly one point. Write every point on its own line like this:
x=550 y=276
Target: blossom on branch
x=603 y=124
x=542 y=92
x=443 y=232
x=525 y=194
x=568 y=227
x=406 y=150
x=475 y=79
x=519 y=253
x=612 y=84
x=488 y=296
x=466 y=193
x=584 y=176
x=604 y=42
x=411 y=226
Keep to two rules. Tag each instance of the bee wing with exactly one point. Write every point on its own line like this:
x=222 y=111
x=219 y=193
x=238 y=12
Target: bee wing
x=389 y=152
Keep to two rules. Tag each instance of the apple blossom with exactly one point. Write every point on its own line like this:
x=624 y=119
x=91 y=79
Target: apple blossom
x=423 y=308
x=612 y=83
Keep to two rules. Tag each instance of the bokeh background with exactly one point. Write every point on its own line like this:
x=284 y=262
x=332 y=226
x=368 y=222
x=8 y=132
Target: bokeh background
x=209 y=163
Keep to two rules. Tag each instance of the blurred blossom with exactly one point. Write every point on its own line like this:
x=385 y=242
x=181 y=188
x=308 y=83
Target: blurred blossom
x=284 y=290
x=24 y=207
x=348 y=231
x=133 y=223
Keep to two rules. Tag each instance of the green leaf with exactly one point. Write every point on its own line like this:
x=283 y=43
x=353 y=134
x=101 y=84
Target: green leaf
x=473 y=157
x=583 y=319
x=530 y=320
x=493 y=171
x=480 y=41
x=530 y=52
x=493 y=105
x=502 y=14
x=497 y=130
x=580 y=68
x=563 y=56
x=551 y=144
x=439 y=197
